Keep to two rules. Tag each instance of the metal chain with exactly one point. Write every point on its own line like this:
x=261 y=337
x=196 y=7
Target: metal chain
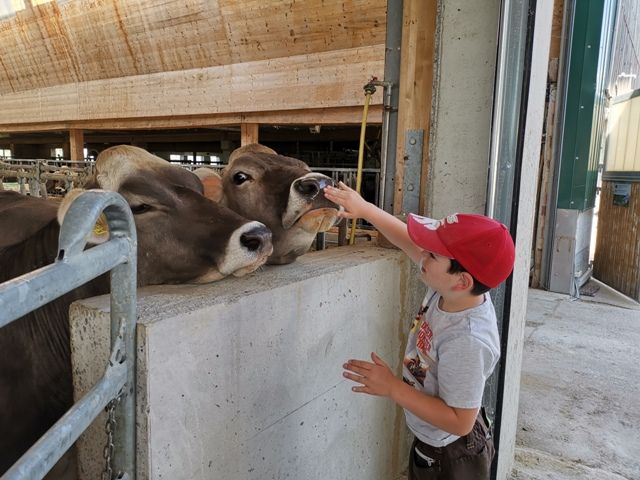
x=109 y=428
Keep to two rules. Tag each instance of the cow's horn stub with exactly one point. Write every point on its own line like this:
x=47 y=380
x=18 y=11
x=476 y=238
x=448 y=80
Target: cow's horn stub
x=251 y=148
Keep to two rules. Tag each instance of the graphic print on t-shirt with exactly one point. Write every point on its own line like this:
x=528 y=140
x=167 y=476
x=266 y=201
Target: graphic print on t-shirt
x=417 y=360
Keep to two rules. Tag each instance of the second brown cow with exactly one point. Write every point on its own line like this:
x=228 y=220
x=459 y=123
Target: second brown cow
x=279 y=191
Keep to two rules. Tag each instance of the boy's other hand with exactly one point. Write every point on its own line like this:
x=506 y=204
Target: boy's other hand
x=354 y=205
x=376 y=377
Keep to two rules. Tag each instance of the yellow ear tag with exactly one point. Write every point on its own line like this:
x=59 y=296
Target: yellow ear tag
x=100 y=229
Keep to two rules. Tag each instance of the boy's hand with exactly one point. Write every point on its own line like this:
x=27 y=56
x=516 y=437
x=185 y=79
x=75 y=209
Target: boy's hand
x=376 y=378
x=354 y=205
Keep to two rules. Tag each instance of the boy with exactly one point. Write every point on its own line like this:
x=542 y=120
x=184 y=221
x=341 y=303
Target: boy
x=453 y=344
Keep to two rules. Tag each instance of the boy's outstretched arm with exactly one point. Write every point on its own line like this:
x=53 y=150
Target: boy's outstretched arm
x=357 y=207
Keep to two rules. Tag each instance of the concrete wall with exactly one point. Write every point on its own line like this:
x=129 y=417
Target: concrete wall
x=242 y=379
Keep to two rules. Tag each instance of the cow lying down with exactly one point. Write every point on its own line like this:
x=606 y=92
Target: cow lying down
x=182 y=237
x=281 y=192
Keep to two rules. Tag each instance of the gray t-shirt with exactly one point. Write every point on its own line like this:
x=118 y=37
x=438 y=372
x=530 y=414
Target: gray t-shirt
x=450 y=355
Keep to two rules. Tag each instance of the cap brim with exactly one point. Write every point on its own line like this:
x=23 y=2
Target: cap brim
x=422 y=231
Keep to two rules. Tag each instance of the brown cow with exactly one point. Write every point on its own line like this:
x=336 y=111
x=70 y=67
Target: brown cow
x=182 y=237
x=281 y=192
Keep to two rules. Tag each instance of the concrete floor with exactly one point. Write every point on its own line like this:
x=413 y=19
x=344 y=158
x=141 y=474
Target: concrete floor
x=579 y=414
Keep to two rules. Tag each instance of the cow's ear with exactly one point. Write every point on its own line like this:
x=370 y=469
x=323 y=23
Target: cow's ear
x=212 y=187
x=211 y=183
x=100 y=232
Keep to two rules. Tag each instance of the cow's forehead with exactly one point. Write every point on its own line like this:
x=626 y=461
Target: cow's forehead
x=160 y=183
x=116 y=165
x=266 y=161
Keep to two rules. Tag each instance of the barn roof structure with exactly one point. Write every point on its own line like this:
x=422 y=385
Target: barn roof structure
x=140 y=64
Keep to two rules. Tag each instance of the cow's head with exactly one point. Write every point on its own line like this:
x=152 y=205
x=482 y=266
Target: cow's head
x=182 y=235
x=280 y=192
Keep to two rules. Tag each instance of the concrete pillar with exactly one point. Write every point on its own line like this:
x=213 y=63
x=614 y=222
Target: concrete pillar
x=466 y=43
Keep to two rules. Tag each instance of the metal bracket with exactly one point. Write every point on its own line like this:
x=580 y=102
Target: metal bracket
x=413 y=144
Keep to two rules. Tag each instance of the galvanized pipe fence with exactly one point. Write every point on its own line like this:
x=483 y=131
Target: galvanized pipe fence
x=33 y=175
x=73 y=267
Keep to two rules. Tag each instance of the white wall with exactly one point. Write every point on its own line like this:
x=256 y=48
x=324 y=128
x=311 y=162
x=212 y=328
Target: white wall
x=242 y=379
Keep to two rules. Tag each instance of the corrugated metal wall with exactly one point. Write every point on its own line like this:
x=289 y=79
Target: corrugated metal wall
x=623 y=148
x=617 y=253
x=625 y=68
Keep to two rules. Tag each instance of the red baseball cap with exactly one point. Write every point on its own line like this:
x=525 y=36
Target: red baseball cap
x=483 y=246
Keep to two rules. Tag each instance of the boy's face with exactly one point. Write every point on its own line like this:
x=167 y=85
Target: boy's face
x=434 y=271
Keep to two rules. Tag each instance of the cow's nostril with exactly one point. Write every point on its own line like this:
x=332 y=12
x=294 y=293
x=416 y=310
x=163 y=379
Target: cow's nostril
x=255 y=239
x=251 y=241
x=308 y=187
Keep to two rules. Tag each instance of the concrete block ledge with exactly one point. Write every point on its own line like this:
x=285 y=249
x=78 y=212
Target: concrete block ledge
x=242 y=379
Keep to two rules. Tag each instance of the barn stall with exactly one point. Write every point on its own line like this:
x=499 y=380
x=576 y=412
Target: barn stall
x=197 y=79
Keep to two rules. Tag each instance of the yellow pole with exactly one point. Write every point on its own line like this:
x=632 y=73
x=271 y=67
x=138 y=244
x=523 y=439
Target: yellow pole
x=363 y=131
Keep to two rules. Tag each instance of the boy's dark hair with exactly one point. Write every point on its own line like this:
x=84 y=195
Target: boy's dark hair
x=478 y=288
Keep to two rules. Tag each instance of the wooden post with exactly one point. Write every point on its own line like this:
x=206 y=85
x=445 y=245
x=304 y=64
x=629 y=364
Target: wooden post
x=416 y=79
x=76 y=144
x=248 y=133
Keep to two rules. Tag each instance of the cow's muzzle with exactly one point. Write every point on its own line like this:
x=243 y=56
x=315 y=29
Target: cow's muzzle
x=310 y=187
x=257 y=239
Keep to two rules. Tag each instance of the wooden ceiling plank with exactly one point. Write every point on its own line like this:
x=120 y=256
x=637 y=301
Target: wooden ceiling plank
x=89 y=40
x=321 y=80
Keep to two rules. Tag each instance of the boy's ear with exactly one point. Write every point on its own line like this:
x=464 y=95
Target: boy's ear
x=465 y=281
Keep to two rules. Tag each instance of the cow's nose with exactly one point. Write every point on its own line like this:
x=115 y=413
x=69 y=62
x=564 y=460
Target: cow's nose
x=256 y=238
x=308 y=187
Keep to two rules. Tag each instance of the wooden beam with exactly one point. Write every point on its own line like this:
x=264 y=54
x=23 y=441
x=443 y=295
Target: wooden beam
x=320 y=80
x=308 y=116
x=76 y=144
x=248 y=133
x=556 y=29
x=416 y=79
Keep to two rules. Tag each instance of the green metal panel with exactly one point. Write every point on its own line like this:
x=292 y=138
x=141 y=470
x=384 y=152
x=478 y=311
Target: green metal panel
x=579 y=155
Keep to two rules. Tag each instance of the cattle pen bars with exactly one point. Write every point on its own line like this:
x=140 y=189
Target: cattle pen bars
x=73 y=267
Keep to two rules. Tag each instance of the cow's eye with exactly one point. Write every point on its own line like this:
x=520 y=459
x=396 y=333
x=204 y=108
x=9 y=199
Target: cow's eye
x=141 y=208
x=240 y=177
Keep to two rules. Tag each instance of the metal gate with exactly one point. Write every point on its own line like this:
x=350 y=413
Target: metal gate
x=73 y=267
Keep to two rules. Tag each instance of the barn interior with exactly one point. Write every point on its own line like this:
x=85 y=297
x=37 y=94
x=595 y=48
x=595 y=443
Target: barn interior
x=191 y=83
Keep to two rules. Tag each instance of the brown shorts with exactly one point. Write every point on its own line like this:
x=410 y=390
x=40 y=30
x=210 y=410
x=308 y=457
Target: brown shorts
x=468 y=458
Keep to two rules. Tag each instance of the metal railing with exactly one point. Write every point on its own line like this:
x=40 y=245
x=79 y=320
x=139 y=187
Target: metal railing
x=348 y=177
x=33 y=174
x=73 y=267
x=217 y=167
